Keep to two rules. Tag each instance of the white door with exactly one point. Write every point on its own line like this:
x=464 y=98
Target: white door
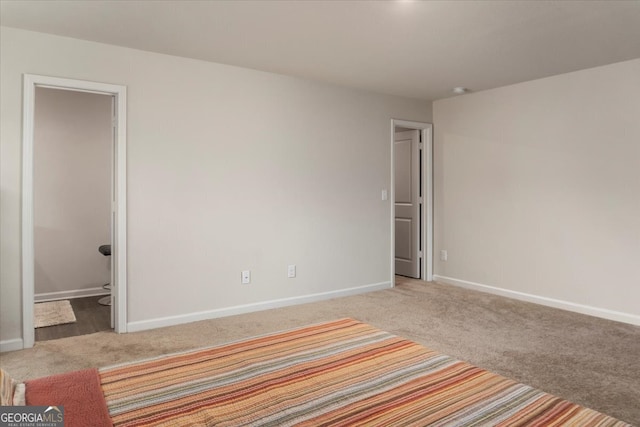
x=407 y=203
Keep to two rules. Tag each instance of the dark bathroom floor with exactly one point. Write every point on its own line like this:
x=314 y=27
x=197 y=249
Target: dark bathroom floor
x=91 y=317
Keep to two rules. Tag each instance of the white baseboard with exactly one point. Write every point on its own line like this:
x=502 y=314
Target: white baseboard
x=76 y=293
x=11 y=345
x=604 y=313
x=249 y=308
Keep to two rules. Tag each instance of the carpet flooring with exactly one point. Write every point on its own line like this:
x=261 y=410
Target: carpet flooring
x=342 y=373
x=587 y=360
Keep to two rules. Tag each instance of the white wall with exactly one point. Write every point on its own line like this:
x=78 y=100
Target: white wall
x=72 y=192
x=537 y=189
x=228 y=169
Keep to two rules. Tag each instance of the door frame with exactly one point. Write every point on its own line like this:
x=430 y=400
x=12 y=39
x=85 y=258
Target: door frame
x=119 y=200
x=426 y=220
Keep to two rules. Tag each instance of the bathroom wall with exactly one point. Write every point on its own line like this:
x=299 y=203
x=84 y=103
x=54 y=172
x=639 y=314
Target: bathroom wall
x=72 y=192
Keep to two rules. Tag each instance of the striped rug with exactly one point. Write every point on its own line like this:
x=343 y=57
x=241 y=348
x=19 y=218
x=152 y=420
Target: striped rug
x=341 y=373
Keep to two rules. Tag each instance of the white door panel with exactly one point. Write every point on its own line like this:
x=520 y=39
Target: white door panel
x=407 y=203
x=403 y=239
x=403 y=171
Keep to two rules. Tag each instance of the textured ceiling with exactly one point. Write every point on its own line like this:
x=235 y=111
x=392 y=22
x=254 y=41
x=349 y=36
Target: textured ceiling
x=408 y=48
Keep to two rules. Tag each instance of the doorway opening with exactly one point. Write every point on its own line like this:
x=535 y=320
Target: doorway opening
x=73 y=208
x=72 y=192
x=411 y=200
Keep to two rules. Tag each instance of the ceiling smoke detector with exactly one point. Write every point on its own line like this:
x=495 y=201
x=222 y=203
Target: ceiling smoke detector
x=460 y=90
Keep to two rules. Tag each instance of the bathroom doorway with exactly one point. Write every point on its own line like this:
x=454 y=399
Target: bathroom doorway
x=69 y=184
x=72 y=191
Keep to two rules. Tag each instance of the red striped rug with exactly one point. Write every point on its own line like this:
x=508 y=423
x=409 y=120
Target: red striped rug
x=341 y=373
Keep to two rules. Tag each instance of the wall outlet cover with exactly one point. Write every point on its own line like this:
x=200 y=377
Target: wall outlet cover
x=291 y=271
x=246 y=277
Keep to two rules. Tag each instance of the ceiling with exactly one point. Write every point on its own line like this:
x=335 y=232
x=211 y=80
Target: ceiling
x=407 y=48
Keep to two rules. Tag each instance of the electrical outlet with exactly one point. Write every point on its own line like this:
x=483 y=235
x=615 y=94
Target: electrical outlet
x=291 y=271
x=443 y=255
x=246 y=277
